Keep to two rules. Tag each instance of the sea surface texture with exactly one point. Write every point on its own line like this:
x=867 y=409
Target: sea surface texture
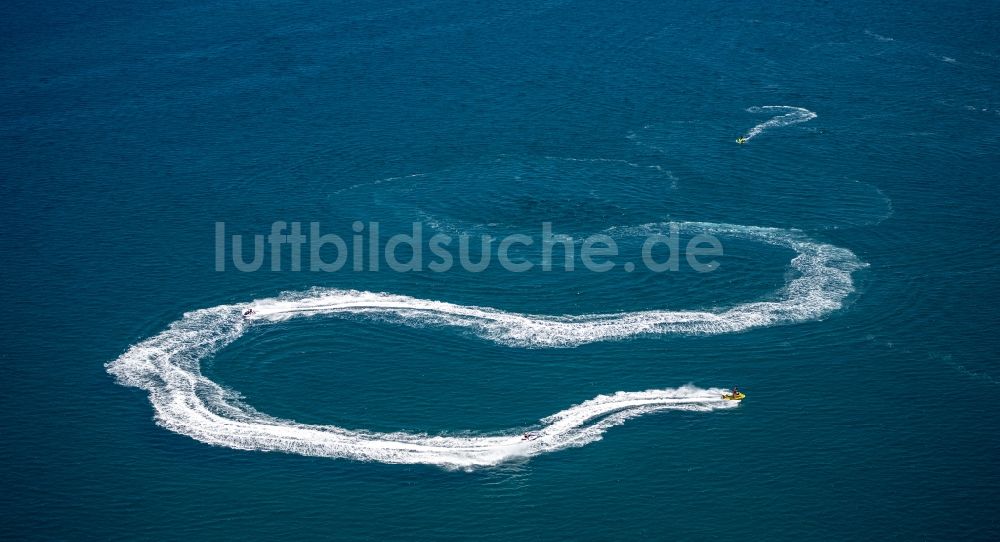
x=855 y=302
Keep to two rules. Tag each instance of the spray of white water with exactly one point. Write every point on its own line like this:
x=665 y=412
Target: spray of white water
x=790 y=115
x=168 y=365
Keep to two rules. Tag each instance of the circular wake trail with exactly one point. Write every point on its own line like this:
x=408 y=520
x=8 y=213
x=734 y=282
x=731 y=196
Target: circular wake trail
x=168 y=365
x=793 y=115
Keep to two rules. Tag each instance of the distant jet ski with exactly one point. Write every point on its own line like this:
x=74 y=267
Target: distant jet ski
x=734 y=395
x=741 y=140
x=248 y=313
x=529 y=436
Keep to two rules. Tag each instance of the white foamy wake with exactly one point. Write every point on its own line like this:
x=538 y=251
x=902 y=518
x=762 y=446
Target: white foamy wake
x=168 y=365
x=792 y=115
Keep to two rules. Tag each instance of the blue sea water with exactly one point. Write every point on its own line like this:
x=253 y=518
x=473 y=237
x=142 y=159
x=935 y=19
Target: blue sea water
x=129 y=130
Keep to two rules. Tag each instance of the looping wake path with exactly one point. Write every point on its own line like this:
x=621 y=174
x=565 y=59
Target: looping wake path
x=168 y=365
x=792 y=115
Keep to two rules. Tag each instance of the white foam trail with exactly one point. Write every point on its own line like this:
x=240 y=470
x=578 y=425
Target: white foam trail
x=792 y=115
x=378 y=182
x=669 y=174
x=879 y=37
x=168 y=365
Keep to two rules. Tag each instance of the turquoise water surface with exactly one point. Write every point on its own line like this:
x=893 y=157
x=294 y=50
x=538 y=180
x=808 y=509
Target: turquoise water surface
x=855 y=299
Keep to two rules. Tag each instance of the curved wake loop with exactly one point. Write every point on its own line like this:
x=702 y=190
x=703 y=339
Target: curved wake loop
x=792 y=115
x=168 y=365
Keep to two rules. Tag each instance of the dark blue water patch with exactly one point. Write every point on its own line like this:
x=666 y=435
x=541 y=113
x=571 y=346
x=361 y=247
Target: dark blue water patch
x=129 y=130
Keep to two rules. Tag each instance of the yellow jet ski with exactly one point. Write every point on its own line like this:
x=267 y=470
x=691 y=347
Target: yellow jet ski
x=738 y=397
x=741 y=140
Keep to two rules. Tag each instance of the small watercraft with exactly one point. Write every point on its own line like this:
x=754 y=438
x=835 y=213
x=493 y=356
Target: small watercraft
x=741 y=140
x=738 y=397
